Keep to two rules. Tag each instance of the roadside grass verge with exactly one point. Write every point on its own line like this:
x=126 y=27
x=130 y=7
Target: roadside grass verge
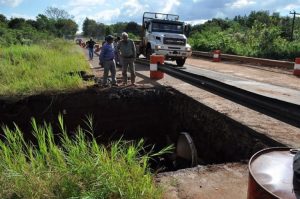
x=26 y=70
x=77 y=167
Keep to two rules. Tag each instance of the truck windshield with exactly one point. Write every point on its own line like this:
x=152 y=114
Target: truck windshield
x=165 y=27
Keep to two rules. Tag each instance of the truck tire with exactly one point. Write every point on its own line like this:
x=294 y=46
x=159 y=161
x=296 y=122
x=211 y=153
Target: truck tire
x=148 y=53
x=180 y=62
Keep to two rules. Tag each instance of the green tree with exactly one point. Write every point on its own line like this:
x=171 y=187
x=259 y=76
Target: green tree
x=32 y=23
x=108 y=30
x=119 y=27
x=260 y=16
x=3 y=19
x=260 y=34
x=134 y=28
x=43 y=23
x=56 y=13
x=16 y=23
x=89 y=27
x=65 y=27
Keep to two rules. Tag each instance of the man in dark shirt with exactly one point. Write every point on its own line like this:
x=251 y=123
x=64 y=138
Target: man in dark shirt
x=106 y=58
x=90 y=45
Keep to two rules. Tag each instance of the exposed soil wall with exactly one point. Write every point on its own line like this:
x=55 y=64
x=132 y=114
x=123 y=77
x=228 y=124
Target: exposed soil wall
x=218 y=138
x=157 y=114
x=133 y=113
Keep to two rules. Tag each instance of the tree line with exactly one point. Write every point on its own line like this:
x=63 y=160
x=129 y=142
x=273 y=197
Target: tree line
x=91 y=28
x=259 y=34
x=54 y=23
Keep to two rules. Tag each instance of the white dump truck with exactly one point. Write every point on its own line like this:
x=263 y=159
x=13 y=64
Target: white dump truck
x=163 y=34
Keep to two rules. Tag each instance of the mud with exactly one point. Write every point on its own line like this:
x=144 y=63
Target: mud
x=157 y=114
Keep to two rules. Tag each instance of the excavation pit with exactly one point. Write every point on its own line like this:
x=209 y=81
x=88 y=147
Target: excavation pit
x=157 y=114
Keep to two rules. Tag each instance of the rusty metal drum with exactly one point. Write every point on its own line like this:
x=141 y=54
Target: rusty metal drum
x=271 y=175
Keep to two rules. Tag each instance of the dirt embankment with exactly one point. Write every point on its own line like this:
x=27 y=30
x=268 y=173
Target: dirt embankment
x=158 y=114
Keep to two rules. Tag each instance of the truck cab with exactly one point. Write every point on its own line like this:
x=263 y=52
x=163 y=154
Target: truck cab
x=163 y=34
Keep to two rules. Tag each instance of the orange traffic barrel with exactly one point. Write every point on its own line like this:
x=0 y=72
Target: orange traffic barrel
x=271 y=175
x=297 y=67
x=216 y=56
x=154 y=61
x=156 y=75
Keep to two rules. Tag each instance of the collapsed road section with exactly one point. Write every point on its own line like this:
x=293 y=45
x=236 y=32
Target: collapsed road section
x=159 y=115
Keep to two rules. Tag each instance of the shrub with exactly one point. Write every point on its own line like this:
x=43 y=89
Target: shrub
x=77 y=167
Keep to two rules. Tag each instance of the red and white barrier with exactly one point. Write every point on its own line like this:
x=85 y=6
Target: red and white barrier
x=297 y=67
x=216 y=56
x=154 y=61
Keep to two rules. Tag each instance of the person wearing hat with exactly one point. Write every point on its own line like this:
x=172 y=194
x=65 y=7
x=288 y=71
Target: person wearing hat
x=106 y=59
x=90 y=45
x=127 y=54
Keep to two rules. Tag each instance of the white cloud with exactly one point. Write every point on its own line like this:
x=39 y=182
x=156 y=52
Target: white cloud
x=77 y=7
x=106 y=15
x=240 y=3
x=86 y=3
x=220 y=14
x=196 y=21
x=12 y=3
x=169 y=5
x=292 y=6
x=133 y=7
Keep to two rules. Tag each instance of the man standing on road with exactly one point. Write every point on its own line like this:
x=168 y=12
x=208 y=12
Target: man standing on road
x=106 y=58
x=127 y=54
x=90 y=45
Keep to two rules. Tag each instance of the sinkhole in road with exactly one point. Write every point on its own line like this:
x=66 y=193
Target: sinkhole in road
x=160 y=115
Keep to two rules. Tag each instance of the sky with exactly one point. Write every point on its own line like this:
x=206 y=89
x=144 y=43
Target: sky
x=112 y=11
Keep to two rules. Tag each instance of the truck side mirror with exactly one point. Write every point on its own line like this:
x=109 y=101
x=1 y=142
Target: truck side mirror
x=187 y=29
x=146 y=25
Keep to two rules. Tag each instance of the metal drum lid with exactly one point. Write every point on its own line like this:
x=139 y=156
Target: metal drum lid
x=185 y=151
x=272 y=169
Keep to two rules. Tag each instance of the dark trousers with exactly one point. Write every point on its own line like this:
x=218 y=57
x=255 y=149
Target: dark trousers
x=91 y=53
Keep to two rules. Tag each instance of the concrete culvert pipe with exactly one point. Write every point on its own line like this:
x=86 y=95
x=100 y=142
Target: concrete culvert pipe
x=186 y=154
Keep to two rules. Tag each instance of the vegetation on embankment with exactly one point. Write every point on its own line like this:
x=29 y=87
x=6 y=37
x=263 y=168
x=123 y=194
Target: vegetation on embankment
x=46 y=67
x=260 y=34
x=77 y=167
x=55 y=23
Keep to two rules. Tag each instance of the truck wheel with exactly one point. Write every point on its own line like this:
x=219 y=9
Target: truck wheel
x=148 y=53
x=180 y=62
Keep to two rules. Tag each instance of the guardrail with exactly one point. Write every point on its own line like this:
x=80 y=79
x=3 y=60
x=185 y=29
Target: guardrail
x=281 y=110
x=253 y=60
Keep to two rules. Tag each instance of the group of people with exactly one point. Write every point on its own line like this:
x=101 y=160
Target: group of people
x=121 y=51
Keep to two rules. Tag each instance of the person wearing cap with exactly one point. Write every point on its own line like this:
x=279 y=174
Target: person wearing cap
x=90 y=45
x=127 y=51
x=106 y=59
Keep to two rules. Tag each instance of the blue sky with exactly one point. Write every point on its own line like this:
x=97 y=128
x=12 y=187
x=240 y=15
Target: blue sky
x=112 y=11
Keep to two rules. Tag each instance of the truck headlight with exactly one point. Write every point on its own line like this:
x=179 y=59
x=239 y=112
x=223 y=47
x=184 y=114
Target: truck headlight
x=157 y=47
x=188 y=48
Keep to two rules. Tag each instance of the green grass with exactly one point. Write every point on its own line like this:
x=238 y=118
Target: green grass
x=76 y=168
x=26 y=70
